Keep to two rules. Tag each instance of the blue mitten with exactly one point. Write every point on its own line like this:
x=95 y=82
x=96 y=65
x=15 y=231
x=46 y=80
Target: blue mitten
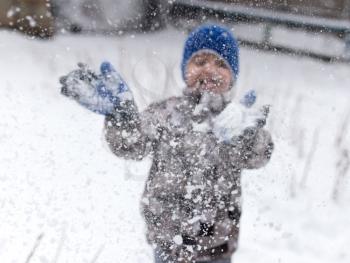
x=115 y=89
x=81 y=85
x=112 y=86
x=249 y=99
x=101 y=93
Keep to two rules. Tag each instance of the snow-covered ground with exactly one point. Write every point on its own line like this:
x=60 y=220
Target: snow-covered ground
x=65 y=197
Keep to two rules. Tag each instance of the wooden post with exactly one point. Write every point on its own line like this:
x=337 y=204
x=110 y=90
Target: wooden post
x=267 y=34
x=7 y=12
x=347 y=45
x=32 y=17
x=35 y=18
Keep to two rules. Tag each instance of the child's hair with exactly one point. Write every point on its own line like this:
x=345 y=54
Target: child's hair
x=216 y=39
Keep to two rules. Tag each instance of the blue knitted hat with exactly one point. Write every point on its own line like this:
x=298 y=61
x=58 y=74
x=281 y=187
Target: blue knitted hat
x=215 y=38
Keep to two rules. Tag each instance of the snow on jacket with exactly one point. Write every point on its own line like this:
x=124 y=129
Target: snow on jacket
x=191 y=201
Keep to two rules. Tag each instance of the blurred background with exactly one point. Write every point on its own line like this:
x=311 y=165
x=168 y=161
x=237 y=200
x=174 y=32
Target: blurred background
x=64 y=197
x=262 y=19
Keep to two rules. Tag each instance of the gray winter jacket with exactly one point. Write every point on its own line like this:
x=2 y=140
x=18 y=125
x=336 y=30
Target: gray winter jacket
x=191 y=201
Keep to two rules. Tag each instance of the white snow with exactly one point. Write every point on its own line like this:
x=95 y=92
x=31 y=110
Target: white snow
x=58 y=177
x=177 y=239
x=232 y=121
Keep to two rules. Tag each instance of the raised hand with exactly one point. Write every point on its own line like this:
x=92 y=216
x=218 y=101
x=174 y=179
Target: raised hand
x=78 y=82
x=240 y=119
x=249 y=99
x=81 y=85
x=101 y=93
x=117 y=91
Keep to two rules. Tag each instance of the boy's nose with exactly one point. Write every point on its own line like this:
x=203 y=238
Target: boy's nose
x=209 y=67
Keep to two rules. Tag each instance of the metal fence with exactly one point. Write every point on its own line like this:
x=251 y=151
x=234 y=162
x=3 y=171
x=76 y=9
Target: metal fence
x=332 y=17
x=338 y=9
x=270 y=16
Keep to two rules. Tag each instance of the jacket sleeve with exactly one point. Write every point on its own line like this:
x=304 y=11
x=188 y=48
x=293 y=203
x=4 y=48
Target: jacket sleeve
x=132 y=137
x=251 y=150
x=257 y=150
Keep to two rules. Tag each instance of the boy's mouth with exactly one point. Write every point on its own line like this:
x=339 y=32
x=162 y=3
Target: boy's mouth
x=211 y=102
x=208 y=84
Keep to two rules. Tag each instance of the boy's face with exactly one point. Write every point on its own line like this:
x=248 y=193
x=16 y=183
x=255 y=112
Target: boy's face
x=208 y=72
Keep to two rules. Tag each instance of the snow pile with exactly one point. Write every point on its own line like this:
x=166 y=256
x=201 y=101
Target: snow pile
x=234 y=119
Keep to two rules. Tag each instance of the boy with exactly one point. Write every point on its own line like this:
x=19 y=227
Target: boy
x=199 y=142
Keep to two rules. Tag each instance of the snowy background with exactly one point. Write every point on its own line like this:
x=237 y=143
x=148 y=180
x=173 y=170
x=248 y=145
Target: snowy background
x=65 y=197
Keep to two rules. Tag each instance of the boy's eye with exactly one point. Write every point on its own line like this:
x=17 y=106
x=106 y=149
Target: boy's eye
x=220 y=63
x=200 y=61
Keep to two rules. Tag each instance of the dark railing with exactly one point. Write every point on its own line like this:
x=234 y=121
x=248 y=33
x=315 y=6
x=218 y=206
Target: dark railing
x=234 y=13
